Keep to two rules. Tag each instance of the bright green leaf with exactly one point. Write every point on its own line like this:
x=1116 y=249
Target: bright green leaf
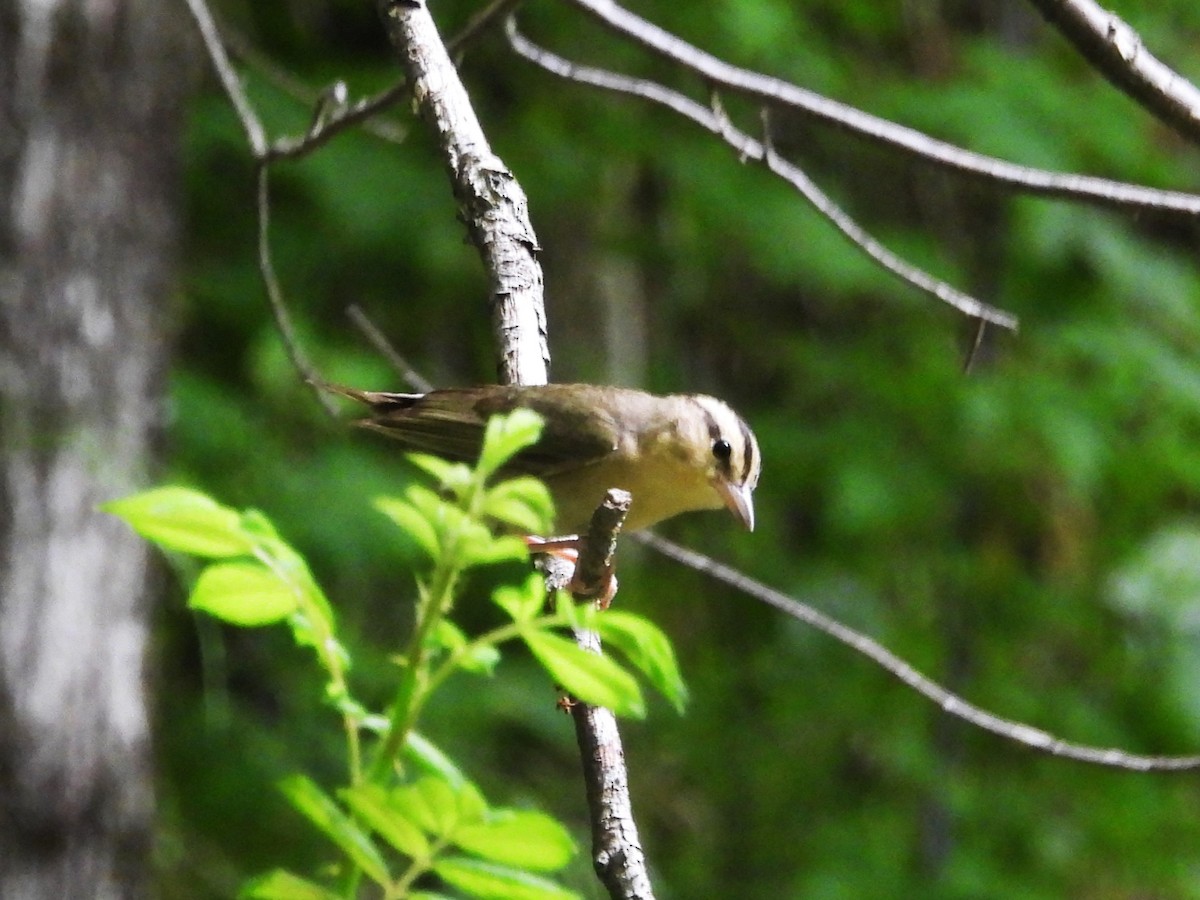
x=419 y=529
x=182 y=519
x=430 y=803
x=494 y=882
x=429 y=504
x=425 y=756
x=524 y=601
x=447 y=636
x=483 y=549
x=455 y=477
x=374 y=807
x=321 y=810
x=648 y=648
x=524 y=503
x=243 y=593
x=506 y=436
x=258 y=526
x=480 y=659
x=283 y=885
x=591 y=677
x=526 y=839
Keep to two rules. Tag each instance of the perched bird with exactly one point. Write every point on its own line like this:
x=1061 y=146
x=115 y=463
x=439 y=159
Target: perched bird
x=673 y=453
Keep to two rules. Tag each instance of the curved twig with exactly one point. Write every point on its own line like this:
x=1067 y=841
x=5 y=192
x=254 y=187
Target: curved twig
x=951 y=703
x=714 y=120
x=715 y=72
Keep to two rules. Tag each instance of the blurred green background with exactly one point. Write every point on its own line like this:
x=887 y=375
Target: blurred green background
x=1028 y=534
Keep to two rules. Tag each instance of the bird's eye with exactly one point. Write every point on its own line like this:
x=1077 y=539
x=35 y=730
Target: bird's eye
x=722 y=450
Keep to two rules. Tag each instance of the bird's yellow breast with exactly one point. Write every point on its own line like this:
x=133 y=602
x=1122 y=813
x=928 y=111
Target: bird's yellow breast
x=662 y=481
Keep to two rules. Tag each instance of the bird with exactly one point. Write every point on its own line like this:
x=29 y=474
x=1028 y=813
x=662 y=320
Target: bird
x=674 y=453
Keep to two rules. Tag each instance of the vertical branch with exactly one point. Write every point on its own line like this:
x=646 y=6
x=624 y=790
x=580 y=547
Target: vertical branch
x=494 y=209
x=491 y=204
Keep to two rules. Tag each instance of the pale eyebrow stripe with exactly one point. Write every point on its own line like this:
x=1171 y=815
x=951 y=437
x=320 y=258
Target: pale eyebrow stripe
x=747 y=449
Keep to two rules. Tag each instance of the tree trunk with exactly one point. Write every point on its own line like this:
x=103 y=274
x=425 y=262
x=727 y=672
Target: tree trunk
x=90 y=104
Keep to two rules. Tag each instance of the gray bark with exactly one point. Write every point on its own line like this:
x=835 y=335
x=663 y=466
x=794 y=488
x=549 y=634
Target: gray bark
x=90 y=103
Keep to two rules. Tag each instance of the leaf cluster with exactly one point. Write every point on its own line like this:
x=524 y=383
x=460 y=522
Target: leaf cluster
x=406 y=812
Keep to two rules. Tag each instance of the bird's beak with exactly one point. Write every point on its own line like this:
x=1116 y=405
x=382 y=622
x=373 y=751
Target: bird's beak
x=737 y=497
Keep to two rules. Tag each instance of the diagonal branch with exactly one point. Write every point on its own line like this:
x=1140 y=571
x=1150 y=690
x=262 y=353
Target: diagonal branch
x=950 y=703
x=715 y=121
x=1116 y=51
x=719 y=74
x=617 y=854
x=491 y=203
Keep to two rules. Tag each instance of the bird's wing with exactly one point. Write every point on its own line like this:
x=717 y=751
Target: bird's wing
x=450 y=423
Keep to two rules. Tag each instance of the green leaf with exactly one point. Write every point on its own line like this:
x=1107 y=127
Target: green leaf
x=455 y=477
x=429 y=505
x=648 y=648
x=412 y=523
x=430 y=803
x=524 y=601
x=320 y=809
x=524 y=503
x=526 y=839
x=591 y=677
x=243 y=593
x=283 y=885
x=374 y=807
x=482 y=548
x=480 y=659
x=488 y=880
x=505 y=437
x=255 y=524
x=423 y=754
x=182 y=519
x=447 y=636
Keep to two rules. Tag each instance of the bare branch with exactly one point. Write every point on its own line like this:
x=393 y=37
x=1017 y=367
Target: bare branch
x=616 y=849
x=714 y=120
x=266 y=269
x=949 y=702
x=491 y=202
x=213 y=45
x=387 y=350
x=244 y=50
x=494 y=12
x=1117 y=52
x=715 y=72
x=338 y=119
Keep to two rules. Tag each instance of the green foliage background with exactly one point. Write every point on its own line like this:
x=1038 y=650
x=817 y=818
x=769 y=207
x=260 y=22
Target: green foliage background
x=1027 y=534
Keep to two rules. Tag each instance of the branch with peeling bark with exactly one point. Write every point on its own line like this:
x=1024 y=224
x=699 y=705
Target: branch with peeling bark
x=494 y=209
x=616 y=849
x=1116 y=51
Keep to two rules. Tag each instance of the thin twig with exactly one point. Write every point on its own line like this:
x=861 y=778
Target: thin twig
x=393 y=132
x=715 y=72
x=387 y=350
x=949 y=702
x=1116 y=51
x=211 y=36
x=976 y=346
x=714 y=120
x=336 y=121
x=479 y=23
x=266 y=268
